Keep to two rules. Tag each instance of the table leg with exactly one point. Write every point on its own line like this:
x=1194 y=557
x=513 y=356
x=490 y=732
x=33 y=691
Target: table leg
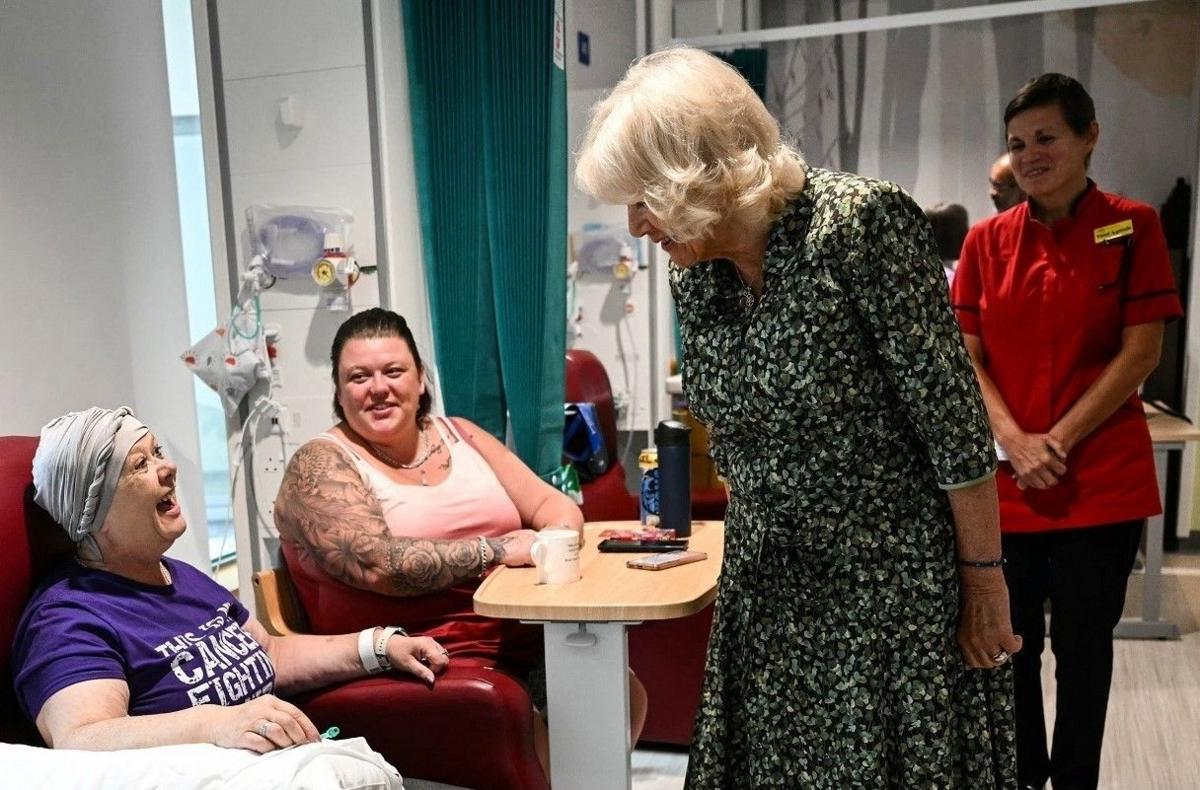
x=587 y=689
x=1149 y=626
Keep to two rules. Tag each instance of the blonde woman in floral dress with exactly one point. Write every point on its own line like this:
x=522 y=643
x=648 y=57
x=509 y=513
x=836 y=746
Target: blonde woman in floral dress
x=862 y=635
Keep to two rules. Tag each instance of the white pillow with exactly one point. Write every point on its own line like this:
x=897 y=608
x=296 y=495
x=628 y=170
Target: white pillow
x=328 y=765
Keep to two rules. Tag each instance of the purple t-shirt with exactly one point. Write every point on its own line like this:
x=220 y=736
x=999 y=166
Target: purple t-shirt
x=176 y=646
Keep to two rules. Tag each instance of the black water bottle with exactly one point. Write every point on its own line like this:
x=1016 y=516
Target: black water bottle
x=674 y=476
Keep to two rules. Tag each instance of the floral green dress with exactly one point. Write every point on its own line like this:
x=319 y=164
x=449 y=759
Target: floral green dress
x=841 y=407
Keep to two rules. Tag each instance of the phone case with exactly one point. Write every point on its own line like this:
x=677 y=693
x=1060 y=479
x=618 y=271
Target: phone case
x=642 y=533
x=667 y=560
x=641 y=547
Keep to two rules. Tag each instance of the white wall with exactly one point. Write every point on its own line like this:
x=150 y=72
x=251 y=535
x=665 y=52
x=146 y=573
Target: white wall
x=613 y=316
x=315 y=51
x=92 y=304
x=400 y=246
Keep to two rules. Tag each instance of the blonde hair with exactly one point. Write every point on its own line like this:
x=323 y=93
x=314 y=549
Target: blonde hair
x=685 y=133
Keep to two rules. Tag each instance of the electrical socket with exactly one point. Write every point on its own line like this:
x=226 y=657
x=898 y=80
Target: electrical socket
x=268 y=477
x=281 y=422
x=270 y=463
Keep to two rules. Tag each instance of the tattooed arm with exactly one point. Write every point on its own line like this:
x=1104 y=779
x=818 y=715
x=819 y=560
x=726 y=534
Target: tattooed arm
x=325 y=507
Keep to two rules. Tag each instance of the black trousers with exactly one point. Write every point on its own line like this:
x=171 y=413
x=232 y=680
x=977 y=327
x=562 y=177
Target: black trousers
x=1084 y=573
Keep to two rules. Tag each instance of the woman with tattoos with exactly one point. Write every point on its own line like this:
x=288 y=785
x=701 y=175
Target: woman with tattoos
x=395 y=514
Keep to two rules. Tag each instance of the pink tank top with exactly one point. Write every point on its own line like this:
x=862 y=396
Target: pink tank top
x=470 y=502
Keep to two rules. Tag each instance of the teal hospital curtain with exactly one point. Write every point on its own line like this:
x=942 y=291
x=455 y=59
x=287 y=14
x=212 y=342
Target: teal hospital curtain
x=489 y=128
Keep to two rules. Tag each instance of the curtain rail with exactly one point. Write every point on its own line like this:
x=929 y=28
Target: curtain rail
x=896 y=21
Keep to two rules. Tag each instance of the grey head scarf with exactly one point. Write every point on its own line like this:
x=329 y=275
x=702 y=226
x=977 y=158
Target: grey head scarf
x=76 y=468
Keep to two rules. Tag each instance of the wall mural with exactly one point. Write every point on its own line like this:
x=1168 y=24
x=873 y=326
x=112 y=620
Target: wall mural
x=923 y=106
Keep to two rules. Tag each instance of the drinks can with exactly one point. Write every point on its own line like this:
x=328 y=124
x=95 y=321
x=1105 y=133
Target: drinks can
x=648 y=501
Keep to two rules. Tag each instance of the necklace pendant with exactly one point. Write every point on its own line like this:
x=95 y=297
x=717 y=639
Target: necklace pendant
x=424 y=482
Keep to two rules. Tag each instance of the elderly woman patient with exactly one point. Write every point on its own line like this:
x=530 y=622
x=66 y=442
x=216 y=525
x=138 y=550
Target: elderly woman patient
x=122 y=647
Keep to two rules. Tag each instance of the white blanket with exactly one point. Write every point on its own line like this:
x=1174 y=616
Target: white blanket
x=329 y=765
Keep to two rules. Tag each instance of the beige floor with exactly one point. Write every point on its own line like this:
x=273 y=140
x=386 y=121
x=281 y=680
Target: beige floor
x=1152 y=740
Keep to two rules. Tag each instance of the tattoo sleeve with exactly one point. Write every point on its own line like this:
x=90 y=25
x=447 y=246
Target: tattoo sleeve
x=327 y=510
x=499 y=548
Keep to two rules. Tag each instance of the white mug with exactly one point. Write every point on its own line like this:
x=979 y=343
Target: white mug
x=555 y=552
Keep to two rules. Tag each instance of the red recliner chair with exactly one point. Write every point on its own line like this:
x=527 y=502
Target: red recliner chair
x=605 y=498
x=33 y=544
x=667 y=655
x=474 y=728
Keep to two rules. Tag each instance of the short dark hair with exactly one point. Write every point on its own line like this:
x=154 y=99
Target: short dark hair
x=376 y=322
x=950 y=223
x=1078 y=109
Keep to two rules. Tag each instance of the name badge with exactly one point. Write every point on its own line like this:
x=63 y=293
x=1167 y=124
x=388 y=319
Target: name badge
x=1114 y=231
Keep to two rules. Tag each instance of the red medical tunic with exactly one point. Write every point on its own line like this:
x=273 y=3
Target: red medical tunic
x=1049 y=304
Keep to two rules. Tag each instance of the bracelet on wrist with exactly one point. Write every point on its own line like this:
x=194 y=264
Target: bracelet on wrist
x=483 y=561
x=1000 y=563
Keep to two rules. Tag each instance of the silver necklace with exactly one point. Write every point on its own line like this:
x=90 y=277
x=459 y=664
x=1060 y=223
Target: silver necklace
x=746 y=298
x=421 y=458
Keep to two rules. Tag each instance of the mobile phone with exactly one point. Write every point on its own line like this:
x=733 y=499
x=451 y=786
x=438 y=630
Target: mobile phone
x=641 y=546
x=668 y=560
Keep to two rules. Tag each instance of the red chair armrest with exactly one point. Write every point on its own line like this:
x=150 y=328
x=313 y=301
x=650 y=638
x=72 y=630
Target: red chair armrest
x=474 y=728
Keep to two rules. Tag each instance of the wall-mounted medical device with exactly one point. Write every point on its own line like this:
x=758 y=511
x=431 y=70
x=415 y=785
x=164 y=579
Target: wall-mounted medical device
x=335 y=266
x=296 y=242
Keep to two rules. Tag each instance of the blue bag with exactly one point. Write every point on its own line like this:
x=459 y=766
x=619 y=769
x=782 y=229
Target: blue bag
x=583 y=443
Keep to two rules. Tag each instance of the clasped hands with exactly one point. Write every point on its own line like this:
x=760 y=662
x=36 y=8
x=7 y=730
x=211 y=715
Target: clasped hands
x=1038 y=459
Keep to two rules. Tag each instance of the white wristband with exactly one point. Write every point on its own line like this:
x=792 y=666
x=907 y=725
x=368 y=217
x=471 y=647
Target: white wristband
x=366 y=652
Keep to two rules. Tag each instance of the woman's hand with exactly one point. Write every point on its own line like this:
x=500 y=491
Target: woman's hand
x=417 y=655
x=576 y=528
x=1038 y=459
x=512 y=548
x=261 y=725
x=984 y=624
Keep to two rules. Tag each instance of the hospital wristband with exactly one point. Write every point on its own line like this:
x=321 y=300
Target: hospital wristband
x=366 y=652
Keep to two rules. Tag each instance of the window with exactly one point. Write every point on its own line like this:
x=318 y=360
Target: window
x=198 y=267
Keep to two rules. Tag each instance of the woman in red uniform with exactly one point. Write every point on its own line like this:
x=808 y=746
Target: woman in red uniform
x=1062 y=302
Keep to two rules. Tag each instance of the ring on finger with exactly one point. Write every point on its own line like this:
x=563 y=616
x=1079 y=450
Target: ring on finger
x=1000 y=657
x=260 y=729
